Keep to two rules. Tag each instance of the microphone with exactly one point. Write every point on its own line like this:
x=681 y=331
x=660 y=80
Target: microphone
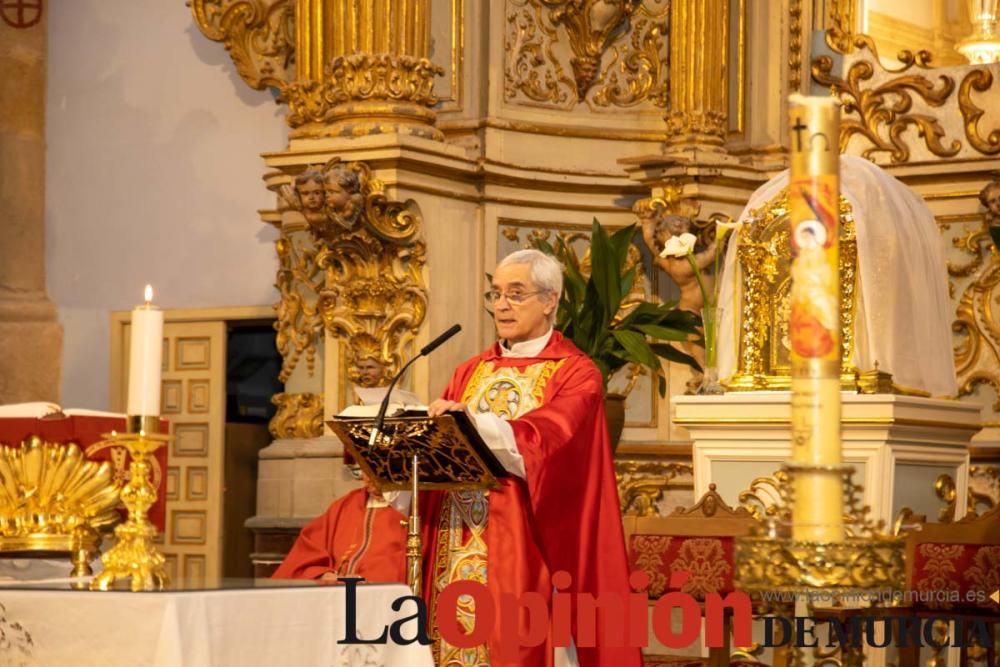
x=424 y=351
x=434 y=344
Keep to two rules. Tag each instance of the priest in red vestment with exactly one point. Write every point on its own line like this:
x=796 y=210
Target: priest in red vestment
x=360 y=535
x=538 y=402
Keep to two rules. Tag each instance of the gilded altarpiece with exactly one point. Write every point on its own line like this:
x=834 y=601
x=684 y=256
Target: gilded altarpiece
x=934 y=128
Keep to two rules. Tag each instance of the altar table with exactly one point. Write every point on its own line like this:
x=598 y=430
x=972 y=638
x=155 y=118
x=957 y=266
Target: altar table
x=237 y=622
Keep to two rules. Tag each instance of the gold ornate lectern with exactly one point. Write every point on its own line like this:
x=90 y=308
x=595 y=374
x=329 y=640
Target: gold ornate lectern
x=415 y=452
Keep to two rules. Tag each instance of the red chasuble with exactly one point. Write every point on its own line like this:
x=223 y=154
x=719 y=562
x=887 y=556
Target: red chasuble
x=566 y=515
x=351 y=539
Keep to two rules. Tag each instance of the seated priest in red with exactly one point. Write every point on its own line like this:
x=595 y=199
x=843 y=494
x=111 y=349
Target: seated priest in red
x=360 y=535
x=538 y=402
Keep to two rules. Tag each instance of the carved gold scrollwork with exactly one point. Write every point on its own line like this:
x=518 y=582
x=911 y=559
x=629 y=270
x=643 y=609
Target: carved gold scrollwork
x=298 y=416
x=615 y=60
x=976 y=243
x=532 y=68
x=401 y=78
x=841 y=19
x=772 y=498
x=979 y=80
x=984 y=487
x=794 y=44
x=258 y=34
x=366 y=270
x=306 y=102
x=944 y=489
x=637 y=73
x=641 y=484
x=978 y=333
x=298 y=321
x=881 y=114
x=591 y=26
x=975 y=328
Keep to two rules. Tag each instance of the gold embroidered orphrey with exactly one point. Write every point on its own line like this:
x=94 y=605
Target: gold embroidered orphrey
x=508 y=393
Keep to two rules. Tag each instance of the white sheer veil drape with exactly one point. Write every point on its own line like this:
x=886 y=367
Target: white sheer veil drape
x=903 y=317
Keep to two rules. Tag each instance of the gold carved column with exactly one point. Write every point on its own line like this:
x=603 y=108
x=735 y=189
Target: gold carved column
x=30 y=335
x=699 y=74
x=345 y=68
x=363 y=68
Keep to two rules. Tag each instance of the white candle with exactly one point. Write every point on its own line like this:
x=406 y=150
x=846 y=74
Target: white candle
x=145 y=359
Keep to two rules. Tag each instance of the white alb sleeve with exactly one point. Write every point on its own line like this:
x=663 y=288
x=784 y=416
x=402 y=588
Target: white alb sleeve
x=499 y=437
x=399 y=500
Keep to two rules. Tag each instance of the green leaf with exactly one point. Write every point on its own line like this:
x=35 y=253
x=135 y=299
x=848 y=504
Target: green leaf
x=663 y=333
x=545 y=247
x=682 y=320
x=671 y=353
x=645 y=312
x=661 y=384
x=638 y=349
x=605 y=273
x=619 y=244
x=628 y=280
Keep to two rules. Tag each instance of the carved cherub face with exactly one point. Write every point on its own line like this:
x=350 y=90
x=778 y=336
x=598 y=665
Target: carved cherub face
x=671 y=225
x=990 y=198
x=336 y=197
x=370 y=372
x=677 y=224
x=343 y=196
x=311 y=195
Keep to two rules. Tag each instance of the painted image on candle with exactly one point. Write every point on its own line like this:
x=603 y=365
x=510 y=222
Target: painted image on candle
x=815 y=313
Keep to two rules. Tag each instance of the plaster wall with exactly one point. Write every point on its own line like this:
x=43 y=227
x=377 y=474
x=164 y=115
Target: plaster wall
x=153 y=175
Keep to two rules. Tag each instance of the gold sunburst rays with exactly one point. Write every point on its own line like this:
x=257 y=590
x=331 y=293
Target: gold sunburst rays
x=48 y=488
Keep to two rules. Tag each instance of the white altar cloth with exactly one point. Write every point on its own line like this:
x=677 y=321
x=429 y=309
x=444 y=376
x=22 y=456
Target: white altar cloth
x=293 y=625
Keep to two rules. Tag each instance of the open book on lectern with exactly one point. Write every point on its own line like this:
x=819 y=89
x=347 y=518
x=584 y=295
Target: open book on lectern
x=452 y=455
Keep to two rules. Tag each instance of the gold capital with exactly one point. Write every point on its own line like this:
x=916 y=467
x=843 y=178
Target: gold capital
x=344 y=67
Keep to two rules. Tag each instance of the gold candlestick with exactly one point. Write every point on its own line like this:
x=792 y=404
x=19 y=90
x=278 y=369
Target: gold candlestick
x=814 y=323
x=135 y=556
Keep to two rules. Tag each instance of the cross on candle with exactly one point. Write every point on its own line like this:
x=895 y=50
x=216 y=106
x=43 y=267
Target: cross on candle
x=145 y=358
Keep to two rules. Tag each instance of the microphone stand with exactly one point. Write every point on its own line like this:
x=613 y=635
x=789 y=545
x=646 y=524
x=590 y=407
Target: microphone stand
x=414 y=543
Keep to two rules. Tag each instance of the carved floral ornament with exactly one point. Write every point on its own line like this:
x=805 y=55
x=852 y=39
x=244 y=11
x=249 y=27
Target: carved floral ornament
x=298 y=416
x=977 y=323
x=615 y=50
x=882 y=106
x=358 y=275
x=258 y=34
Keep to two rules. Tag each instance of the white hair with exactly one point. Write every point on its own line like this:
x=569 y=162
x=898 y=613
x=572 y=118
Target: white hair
x=546 y=271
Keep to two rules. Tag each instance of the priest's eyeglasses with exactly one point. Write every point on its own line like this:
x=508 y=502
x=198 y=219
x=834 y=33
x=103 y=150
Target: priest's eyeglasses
x=514 y=297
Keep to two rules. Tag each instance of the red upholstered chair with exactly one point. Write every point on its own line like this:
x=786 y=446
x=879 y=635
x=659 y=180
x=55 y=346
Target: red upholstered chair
x=699 y=540
x=953 y=569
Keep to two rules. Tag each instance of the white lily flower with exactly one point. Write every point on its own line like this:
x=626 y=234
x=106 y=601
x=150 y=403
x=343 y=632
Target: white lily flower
x=679 y=246
x=728 y=225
